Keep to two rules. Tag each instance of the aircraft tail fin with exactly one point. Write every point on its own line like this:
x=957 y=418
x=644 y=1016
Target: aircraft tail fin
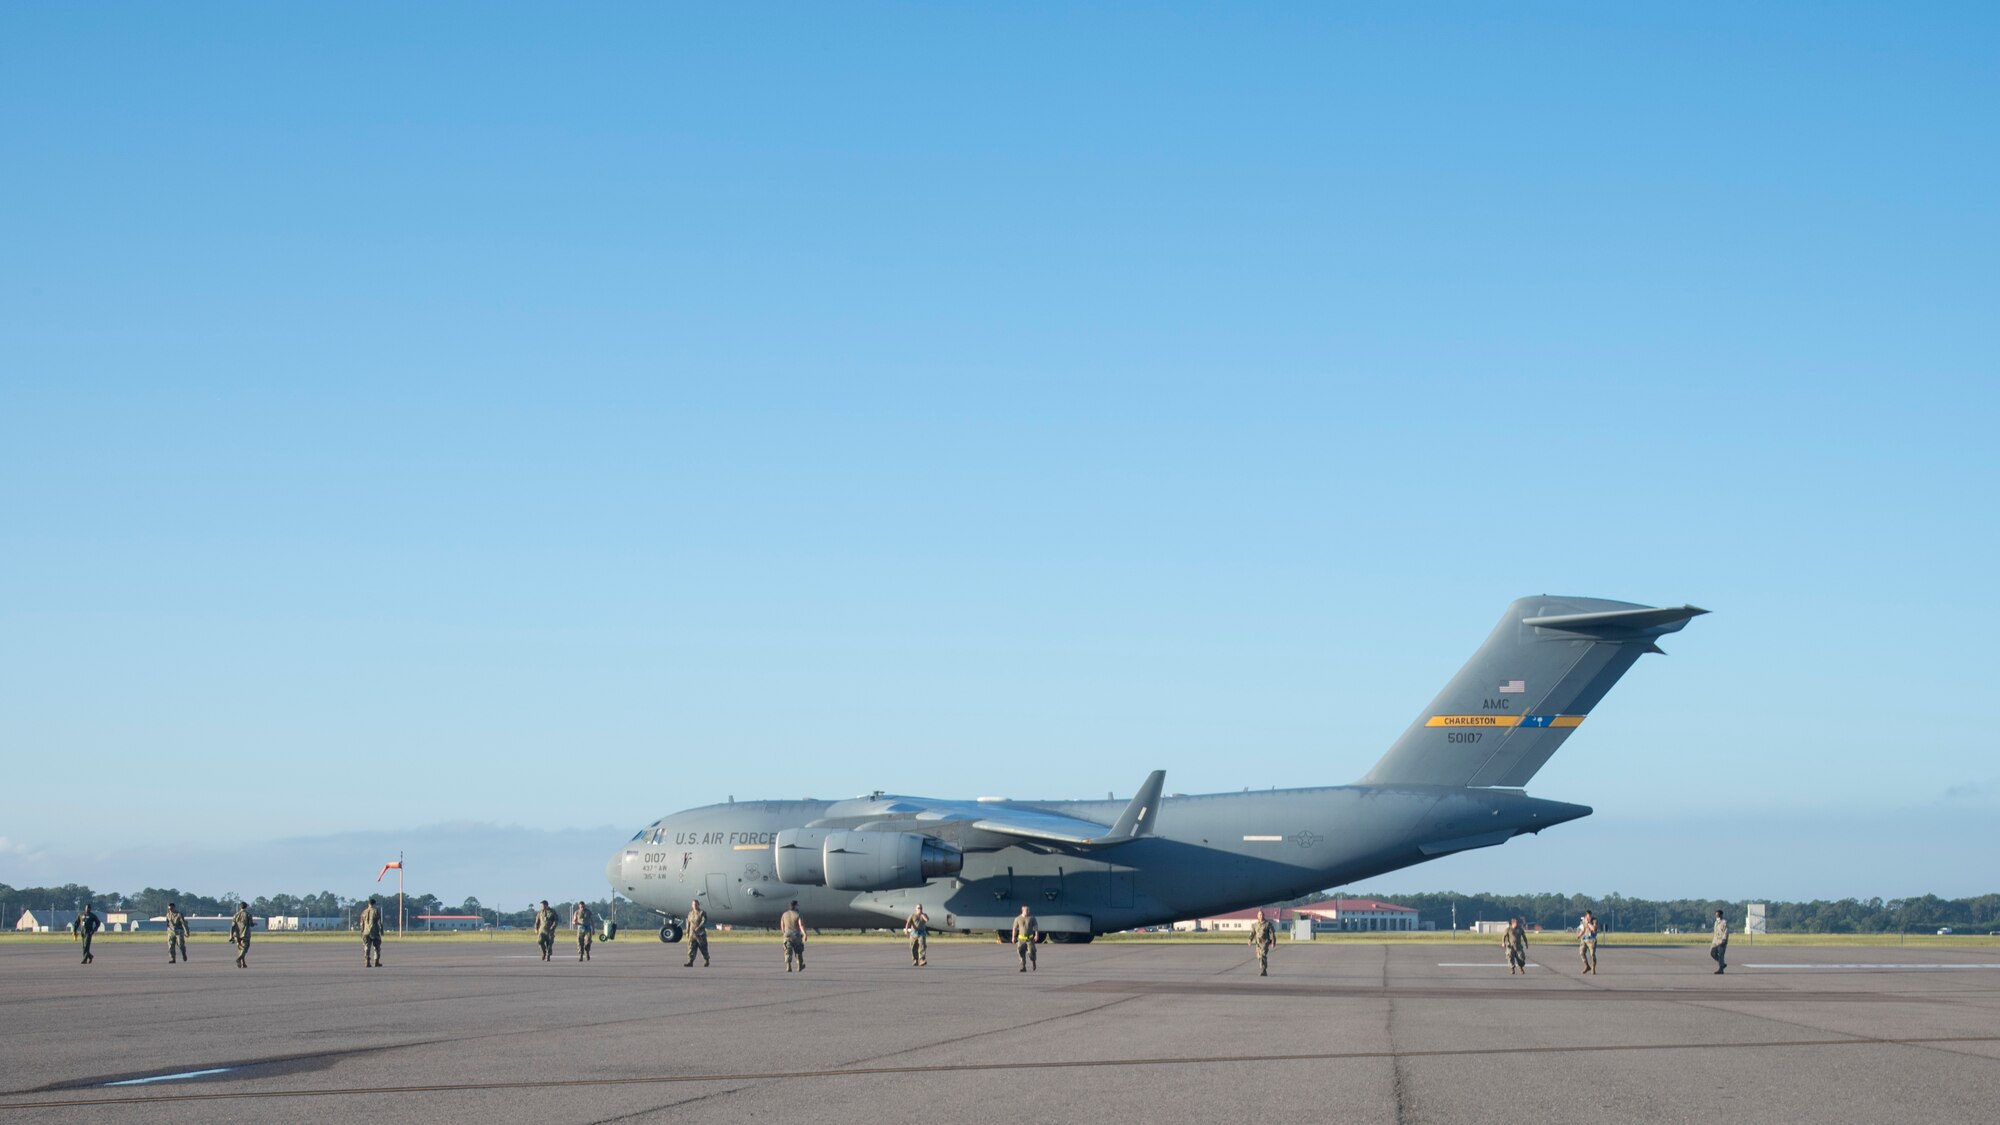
x=1541 y=671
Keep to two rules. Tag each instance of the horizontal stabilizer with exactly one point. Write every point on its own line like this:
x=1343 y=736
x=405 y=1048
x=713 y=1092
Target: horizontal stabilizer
x=1619 y=622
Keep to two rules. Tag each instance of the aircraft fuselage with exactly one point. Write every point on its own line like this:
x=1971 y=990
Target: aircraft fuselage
x=1449 y=784
x=1206 y=854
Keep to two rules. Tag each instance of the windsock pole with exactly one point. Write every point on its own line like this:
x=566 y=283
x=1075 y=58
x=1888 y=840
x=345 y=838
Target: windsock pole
x=398 y=865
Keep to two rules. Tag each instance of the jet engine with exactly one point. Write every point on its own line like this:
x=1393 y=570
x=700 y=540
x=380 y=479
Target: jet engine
x=862 y=861
x=797 y=856
x=882 y=861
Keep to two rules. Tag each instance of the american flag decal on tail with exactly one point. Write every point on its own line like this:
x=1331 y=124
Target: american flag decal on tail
x=1514 y=687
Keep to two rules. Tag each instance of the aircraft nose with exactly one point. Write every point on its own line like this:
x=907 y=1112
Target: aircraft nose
x=615 y=870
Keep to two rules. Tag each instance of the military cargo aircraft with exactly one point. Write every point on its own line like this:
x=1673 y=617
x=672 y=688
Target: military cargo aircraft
x=1451 y=783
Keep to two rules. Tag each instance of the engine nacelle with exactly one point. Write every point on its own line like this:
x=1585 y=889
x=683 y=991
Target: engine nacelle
x=797 y=856
x=882 y=861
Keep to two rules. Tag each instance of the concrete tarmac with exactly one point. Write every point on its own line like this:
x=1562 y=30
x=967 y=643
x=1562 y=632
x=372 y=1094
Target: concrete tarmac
x=1104 y=1032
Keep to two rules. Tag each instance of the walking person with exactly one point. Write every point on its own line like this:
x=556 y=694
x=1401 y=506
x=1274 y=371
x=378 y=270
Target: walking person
x=371 y=935
x=1262 y=937
x=240 y=925
x=1718 y=945
x=1026 y=930
x=1514 y=939
x=545 y=930
x=177 y=933
x=793 y=927
x=1586 y=942
x=918 y=926
x=85 y=927
x=582 y=919
x=697 y=934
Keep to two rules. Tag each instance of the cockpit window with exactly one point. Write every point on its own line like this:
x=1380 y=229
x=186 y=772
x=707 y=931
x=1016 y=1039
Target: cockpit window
x=658 y=833
x=639 y=835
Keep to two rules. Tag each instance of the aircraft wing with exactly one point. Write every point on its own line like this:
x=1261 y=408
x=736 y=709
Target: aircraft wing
x=1002 y=818
x=1039 y=824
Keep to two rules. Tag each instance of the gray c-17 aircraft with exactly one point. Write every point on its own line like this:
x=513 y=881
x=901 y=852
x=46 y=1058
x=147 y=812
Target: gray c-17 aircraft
x=1451 y=783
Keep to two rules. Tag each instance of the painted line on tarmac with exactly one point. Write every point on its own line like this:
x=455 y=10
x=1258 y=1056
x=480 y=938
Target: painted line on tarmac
x=181 y=1076
x=1905 y=965
x=963 y=1068
x=1479 y=965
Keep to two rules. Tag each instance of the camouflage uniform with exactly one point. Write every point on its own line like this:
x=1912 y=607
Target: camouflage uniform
x=1514 y=940
x=583 y=920
x=1262 y=938
x=371 y=936
x=545 y=931
x=794 y=929
x=1586 y=944
x=918 y=926
x=1026 y=930
x=1718 y=946
x=697 y=935
x=177 y=936
x=240 y=925
x=86 y=928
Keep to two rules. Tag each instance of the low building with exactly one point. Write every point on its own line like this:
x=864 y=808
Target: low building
x=1361 y=915
x=34 y=921
x=1238 y=921
x=290 y=923
x=450 y=921
x=1334 y=915
x=1490 y=927
x=196 y=923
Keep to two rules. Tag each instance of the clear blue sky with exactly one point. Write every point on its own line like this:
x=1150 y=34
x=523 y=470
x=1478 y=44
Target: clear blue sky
x=483 y=416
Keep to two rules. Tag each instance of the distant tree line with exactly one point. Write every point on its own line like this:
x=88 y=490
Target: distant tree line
x=1559 y=911
x=153 y=901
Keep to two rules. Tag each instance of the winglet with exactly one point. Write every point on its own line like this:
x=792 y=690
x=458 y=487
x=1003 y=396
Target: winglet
x=1137 y=819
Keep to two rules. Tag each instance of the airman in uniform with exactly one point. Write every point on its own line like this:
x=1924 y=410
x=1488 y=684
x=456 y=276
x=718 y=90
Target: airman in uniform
x=240 y=925
x=1026 y=930
x=918 y=926
x=177 y=933
x=1586 y=941
x=1718 y=946
x=793 y=928
x=545 y=930
x=371 y=935
x=86 y=928
x=1514 y=939
x=697 y=934
x=582 y=919
x=1262 y=937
